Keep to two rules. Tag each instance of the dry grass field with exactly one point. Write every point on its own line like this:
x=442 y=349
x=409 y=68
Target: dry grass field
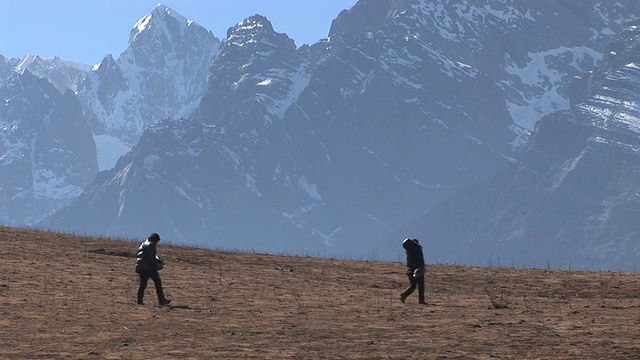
x=69 y=297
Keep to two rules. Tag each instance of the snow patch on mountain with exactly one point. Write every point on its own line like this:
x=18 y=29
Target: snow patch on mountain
x=13 y=146
x=522 y=135
x=109 y=149
x=455 y=30
x=310 y=188
x=327 y=239
x=299 y=80
x=541 y=72
x=251 y=185
x=48 y=185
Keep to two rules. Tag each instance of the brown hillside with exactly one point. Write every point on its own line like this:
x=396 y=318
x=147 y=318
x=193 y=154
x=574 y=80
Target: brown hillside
x=67 y=297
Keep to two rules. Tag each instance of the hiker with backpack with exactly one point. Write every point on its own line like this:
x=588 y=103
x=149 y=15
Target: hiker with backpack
x=415 y=269
x=147 y=265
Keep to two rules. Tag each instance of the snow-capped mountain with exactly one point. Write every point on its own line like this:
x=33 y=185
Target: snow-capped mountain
x=572 y=199
x=326 y=148
x=162 y=73
x=63 y=74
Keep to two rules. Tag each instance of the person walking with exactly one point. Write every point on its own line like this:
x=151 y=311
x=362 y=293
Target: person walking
x=147 y=265
x=415 y=269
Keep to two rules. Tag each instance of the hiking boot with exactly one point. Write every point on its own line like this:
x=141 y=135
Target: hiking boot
x=164 y=302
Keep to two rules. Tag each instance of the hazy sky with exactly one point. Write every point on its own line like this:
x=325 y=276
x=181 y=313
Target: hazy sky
x=86 y=30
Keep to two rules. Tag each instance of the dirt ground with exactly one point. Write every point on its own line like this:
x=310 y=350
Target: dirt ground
x=69 y=297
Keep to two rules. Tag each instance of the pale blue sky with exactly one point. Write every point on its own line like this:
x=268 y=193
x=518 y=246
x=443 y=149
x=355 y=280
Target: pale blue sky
x=86 y=30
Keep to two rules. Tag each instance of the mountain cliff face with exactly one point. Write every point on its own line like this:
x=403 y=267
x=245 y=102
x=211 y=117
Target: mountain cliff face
x=329 y=147
x=530 y=49
x=572 y=197
x=47 y=154
x=162 y=73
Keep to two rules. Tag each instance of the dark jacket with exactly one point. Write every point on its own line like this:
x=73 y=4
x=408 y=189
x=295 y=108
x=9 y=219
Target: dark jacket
x=415 y=258
x=147 y=258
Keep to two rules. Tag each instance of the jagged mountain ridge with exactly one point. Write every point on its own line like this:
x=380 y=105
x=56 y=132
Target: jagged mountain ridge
x=572 y=198
x=63 y=74
x=327 y=147
x=162 y=73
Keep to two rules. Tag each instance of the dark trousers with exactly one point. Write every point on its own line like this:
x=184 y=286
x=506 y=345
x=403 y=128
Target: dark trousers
x=144 y=279
x=415 y=282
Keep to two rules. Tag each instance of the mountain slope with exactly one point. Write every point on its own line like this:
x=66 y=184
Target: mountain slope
x=572 y=196
x=326 y=148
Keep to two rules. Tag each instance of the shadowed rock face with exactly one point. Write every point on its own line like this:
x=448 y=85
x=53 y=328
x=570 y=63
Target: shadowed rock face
x=329 y=148
x=47 y=150
x=572 y=197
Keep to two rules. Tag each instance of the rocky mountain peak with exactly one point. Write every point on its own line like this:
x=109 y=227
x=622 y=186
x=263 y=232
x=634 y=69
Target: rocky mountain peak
x=108 y=64
x=256 y=30
x=157 y=37
x=251 y=25
x=164 y=11
x=253 y=61
x=161 y=20
x=162 y=73
x=364 y=16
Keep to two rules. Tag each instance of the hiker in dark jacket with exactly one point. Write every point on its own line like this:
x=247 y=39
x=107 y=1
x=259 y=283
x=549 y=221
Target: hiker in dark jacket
x=147 y=265
x=415 y=269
